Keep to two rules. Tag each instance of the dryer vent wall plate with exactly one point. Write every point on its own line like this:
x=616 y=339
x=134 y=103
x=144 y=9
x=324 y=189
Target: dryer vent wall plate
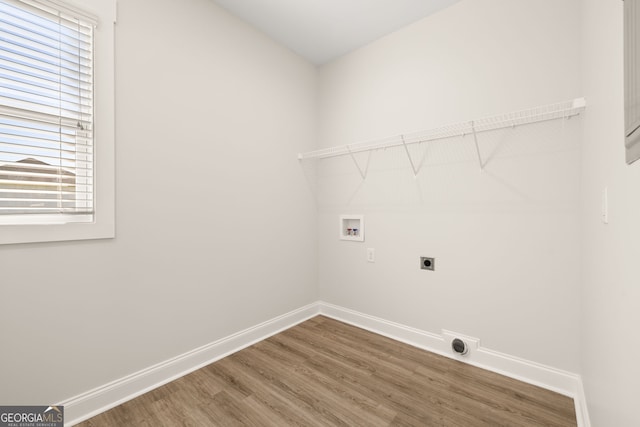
x=459 y=341
x=460 y=347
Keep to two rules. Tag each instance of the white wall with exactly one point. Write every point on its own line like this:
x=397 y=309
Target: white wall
x=506 y=241
x=215 y=228
x=611 y=309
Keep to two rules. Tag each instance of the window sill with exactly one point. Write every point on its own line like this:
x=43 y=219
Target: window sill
x=56 y=232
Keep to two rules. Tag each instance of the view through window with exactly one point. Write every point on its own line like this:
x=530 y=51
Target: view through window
x=46 y=113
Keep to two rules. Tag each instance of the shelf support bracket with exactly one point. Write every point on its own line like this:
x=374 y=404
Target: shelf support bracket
x=406 y=149
x=363 y=174
x=475 y=140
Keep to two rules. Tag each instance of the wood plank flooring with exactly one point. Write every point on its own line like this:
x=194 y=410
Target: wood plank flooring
x=326 y=373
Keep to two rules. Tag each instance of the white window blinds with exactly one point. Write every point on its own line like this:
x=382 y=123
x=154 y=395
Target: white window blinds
x=46 y=111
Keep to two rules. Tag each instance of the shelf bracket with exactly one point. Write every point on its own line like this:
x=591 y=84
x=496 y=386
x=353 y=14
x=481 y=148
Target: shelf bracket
x=475 y=140
x=406 y=149
x=363 y=174
x=563 y=110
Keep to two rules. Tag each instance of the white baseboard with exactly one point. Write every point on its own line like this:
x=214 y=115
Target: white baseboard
x=103 y=398
x=581 y=407
x=563 y=382
x=93 y=402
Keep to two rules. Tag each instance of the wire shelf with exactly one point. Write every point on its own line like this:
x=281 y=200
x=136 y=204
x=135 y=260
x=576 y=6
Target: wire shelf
x=562 y=110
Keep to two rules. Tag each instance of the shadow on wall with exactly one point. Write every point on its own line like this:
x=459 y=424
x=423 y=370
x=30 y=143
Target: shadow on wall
x=451 y=170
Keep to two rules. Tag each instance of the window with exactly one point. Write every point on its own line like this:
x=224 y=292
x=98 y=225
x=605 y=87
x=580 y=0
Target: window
x=632 y=79
x=48 y=115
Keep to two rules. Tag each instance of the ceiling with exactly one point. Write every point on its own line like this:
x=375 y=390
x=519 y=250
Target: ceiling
x=322 y=30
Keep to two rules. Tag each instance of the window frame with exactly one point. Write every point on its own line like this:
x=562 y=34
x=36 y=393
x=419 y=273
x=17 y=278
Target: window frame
x=631 y=81
x=52 y=228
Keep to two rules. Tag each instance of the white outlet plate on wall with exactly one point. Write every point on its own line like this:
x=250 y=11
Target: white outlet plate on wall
x=605 y=205
x=371 y=255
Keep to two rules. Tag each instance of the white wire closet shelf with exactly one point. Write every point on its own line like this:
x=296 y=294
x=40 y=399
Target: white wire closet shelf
x=561 y=110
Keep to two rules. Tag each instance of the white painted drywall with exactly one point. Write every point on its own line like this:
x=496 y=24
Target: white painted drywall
x=216 y=232
x=322 y=31
x=611 y=294
x=506 y=241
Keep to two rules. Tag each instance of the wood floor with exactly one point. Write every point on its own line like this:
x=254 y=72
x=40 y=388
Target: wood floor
x=326 y=373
